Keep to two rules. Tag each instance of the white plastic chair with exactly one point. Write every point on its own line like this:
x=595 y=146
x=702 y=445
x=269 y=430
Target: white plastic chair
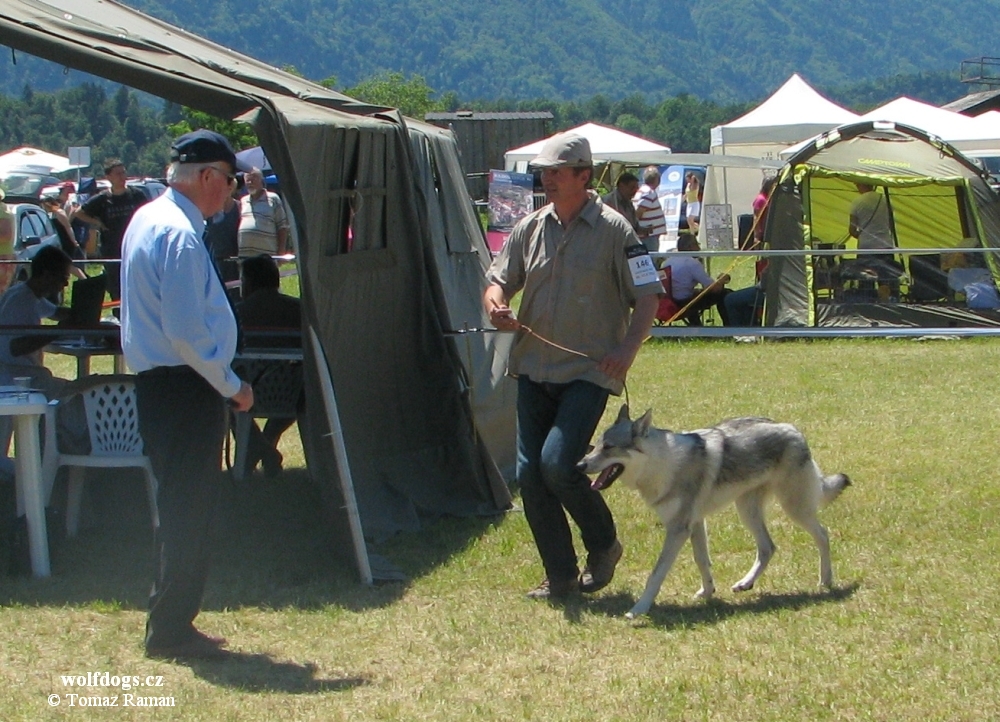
x=113 y=427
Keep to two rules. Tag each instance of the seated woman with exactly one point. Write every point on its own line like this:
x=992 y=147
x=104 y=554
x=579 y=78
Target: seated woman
x=687 y=274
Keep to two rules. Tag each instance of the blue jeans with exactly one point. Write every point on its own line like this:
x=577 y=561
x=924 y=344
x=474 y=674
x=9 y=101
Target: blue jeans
x=555 y=423
x=742 y=305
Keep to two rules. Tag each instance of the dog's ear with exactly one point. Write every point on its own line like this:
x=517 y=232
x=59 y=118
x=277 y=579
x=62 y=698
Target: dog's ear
x=641 y=425
x=622 y=414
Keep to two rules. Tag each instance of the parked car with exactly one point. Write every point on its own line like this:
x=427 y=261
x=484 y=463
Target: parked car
x=25 y=184
x=151 y=187
x=32 y=231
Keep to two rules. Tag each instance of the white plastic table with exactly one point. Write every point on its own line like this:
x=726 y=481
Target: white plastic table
x=28 y=470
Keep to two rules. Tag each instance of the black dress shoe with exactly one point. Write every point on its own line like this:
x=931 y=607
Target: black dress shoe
x=198 y=646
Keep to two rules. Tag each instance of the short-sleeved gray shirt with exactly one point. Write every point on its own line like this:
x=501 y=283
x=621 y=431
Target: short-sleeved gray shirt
x=578 y=291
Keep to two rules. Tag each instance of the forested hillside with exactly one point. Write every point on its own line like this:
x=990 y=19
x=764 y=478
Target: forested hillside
x=665 y=69
x=115 y=125
x=724 y=50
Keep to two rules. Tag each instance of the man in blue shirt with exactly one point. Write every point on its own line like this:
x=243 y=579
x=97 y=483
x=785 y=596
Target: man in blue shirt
x=179 y=335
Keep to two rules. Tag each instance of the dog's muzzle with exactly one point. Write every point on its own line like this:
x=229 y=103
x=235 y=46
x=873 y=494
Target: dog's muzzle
x=607 y=477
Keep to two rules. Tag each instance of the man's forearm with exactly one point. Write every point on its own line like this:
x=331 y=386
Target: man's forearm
x=89 y=220
x=642 y=320
x=494 y=297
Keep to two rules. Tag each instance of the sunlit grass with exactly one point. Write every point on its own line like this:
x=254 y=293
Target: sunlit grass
x=909 y=633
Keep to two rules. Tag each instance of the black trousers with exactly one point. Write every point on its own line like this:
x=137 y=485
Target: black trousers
x=183 y=423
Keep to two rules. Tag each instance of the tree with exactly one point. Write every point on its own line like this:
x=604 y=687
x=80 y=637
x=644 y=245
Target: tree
x=241 y=135
x=411 y=96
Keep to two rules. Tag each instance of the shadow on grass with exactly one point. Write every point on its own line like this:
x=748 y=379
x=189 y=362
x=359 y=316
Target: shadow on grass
x=695 y=614
x=273 y=548
x=261 y=673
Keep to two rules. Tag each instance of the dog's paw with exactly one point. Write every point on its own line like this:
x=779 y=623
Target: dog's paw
x=743 y=585
x=705 y=592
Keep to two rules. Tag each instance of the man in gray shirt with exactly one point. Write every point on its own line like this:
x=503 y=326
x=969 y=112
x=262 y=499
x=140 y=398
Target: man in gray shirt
x=581 y=268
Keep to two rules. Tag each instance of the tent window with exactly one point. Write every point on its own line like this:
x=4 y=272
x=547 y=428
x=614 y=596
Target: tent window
x=366 y=231
x=357 y=209
x=359 y=220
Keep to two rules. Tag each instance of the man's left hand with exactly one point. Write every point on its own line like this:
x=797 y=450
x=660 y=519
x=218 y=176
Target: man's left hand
x=243 y=400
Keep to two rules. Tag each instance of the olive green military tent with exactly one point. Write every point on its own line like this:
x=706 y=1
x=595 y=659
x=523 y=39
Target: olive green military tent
x=391 y=261
x=941 y=207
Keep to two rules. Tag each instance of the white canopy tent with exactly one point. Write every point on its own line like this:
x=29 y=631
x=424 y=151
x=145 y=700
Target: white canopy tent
x=945 y=124
x=794 y=112
x=964 y=132
x=34 y=160
x=608 y=145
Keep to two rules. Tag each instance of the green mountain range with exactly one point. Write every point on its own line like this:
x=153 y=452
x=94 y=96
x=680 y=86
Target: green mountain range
x=722 y=50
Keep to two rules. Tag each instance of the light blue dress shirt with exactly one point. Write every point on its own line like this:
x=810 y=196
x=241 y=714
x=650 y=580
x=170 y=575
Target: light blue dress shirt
x=174 y=307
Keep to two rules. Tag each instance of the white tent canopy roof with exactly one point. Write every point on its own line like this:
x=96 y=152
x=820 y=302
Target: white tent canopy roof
x=795 y=111
x=946 y=124
x=34 y=160
x=606 y=145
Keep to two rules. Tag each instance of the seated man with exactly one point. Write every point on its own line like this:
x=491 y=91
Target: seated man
x=26 y=304
x=686 y=274
x=265 y=307
x=743 y=305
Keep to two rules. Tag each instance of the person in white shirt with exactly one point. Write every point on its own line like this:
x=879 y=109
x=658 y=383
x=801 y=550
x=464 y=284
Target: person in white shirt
x=687 y=274
x=263 y=222
x=26 y=304
x=180 y=335
x=870 y=222
x=648 y=211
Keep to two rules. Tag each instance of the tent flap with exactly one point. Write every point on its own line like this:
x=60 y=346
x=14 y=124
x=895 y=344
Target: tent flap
x=388 y=254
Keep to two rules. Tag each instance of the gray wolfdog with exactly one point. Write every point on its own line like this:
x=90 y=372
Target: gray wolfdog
x=685 y=477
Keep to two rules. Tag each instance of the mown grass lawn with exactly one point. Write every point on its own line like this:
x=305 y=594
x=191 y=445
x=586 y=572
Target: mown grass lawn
x=909 y=633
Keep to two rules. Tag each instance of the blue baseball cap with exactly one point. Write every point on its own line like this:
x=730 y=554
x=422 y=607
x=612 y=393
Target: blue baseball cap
x=202 y=146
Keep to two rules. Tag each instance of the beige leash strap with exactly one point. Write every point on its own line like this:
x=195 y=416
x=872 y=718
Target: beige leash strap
x=553 y=344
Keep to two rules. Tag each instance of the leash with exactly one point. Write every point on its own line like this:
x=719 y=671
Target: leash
x=574 y=352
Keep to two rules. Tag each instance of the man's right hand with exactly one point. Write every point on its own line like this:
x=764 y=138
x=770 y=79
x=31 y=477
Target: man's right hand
x=243 y=400
x=502 y=318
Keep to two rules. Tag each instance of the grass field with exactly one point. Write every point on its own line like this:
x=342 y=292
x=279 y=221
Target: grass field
x=909 y=633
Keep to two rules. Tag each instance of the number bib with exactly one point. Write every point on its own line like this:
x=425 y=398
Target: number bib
x=641 y=265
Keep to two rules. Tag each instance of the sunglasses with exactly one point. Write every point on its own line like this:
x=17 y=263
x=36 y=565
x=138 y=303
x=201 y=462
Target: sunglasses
x=230 y=177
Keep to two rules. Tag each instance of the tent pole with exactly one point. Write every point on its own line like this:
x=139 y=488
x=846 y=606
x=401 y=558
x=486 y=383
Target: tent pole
x=343 y=467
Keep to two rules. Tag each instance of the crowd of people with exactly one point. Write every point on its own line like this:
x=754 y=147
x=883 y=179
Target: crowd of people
x=179 y=333
x=691 y=287
x=90 y=223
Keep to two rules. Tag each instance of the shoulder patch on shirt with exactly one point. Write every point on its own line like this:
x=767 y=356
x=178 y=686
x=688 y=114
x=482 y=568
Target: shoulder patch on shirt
x=640 y=265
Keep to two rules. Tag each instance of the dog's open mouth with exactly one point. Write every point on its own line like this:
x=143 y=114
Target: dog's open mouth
x=607 y=477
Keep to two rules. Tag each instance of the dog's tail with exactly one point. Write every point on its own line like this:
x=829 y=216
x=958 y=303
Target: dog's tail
x=832 y=486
